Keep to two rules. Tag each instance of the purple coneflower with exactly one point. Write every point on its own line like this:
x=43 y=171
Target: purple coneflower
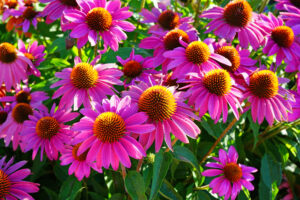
x=166 y=111
x=29 y=15
x=212 y=92
x=47 y=132
x=79 y=166
x=86 y=83
x=268 y=100
x=196 y=57
x=296 y=104
x=231 y=175
x=12 y=185
x=98 y=18
x=167 y=41
x=236 y=17
x=9 y=6
x=282 y=4
x=13 y=66
x=164 y=19
x=282 y=41
x=292 y=17
x=33 y=52
x=136 y=68
x=106 y=132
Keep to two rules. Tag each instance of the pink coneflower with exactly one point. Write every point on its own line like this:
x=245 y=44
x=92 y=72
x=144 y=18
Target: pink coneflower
x=55 y=8
x=9 y=6
x=29 y=15
x=282 y=4
x=99 y=18
x=47 y=131
x=196 y=57
x=33 y=52
x=296 y=104
x=106 y=132
x=212 y=92
x=241 y=62
x=79 y=166
x=86 y=83
x=13 y=66
x=292 y=17
x=232 y=175
x=167 y=41
x=136 y=68
x=236 y=17
x=268 y=100
x=166 y=111
x=164 y=19
x=4 y=113
x=12 y=185
x=22 y=105
x=283 y=41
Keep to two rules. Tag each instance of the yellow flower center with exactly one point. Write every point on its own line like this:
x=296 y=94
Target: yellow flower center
x=47 y=127
x=232 y=55
x=171 y=39
x=109 y=127
x=217 y=82
x=8 y=53
x=158 y=102
x=4 y=184
x=197 y=52
x=169 y=19
x=238 y=13
x=11 y=4
x=283 y=36
x=83 y=75
x=233 y=172
x=264 y=84
x=99 y=19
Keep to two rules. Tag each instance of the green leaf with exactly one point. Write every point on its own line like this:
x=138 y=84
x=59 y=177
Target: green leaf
x=168 y=191
x=70 y=188
x=135 y=185
x=255 y=128
x=52 y=195
x=270 y=171
x=204 y=195
x=59 y=62
x=161 y=165
x=184 y=154
x=264 y=192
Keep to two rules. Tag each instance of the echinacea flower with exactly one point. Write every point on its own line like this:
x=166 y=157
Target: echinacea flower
x=232 y=176
x=241 y=62
x=197 y=56
x=12 y=185
x=167 y=41
x=236 y=18
x=55 y=8
x=86 y=83
x=292 y=17
x=282 y=41
x=9 y=6
x=282 y=4
x=79 y=166
x=29 y=16
x=33 y=52
x=22 y=104
x=166 y=111
x=106 y=132
x=267 y=99
x=98 y=18
x=212 y=92
x=136 y=68
x=13 y=66
x=296 y=104
x=47 y=132
x=165 y=19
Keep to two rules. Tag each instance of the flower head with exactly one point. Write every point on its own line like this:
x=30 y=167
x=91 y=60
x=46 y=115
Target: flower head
x=29 y=15
x=98 y=18
x=47 y=132
x=79 y=166
x=164 y=19
x=295 y=104
x=136 y=68
x=282 y=41
x=236 y=18
x=34 y=52
x=167 y=111
x=12 y=185
x=197 y=56
x=231 y=175
x=12 y=61
x=106 y=132
x=291 y=17
x=213 y=92
x=86 y=83
x=268 y=100
x=283 y=4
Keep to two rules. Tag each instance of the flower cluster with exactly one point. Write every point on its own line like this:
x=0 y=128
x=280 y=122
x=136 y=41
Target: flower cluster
x=107 y=114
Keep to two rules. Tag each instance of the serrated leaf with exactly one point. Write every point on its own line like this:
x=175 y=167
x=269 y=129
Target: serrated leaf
x=135 y=185
x=161 y=166
x=70 y=189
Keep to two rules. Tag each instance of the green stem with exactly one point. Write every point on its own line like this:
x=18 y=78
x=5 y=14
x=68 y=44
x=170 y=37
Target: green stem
x=263 y=5
x=86 y=189
x=196 y=18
